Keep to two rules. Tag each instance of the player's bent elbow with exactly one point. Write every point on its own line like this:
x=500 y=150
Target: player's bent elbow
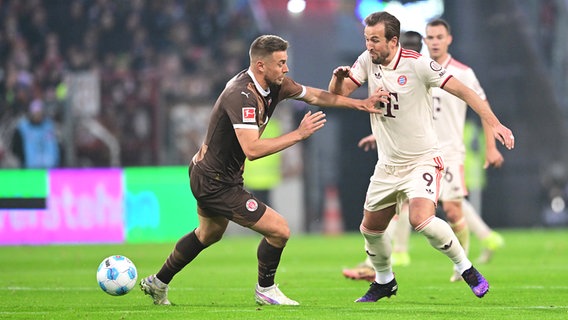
x=251 y=156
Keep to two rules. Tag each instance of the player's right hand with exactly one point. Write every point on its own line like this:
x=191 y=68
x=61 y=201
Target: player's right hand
x=342 y=72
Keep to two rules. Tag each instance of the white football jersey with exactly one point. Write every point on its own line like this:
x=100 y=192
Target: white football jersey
x=450 y=111
x=405 y=131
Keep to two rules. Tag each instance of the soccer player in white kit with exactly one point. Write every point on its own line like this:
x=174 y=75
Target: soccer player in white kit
x=449 y=118
x=410 y=163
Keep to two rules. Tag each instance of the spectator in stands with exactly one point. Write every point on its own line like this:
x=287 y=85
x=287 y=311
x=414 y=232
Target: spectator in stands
x=35 y=141
x=40 y=41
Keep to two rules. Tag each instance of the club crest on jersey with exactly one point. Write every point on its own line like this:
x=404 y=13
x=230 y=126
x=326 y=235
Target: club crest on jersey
x=249 y=114
x=402 y=80
x=251 y=205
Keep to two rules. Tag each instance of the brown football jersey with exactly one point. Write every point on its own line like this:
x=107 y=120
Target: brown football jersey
x=240 y=105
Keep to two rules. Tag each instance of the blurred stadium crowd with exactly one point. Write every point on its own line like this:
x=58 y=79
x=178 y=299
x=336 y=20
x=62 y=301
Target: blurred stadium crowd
x=148 y=55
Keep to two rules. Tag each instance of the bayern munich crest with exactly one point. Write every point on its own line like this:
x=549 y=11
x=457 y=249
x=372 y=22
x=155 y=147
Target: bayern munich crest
x=251 y=205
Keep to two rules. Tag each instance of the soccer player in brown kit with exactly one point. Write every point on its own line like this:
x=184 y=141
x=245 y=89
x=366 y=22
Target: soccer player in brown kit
x=410 y=162
x=234 y=133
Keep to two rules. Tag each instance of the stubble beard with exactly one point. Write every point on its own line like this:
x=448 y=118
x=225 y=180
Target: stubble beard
x=275 y=82
x=380 y=59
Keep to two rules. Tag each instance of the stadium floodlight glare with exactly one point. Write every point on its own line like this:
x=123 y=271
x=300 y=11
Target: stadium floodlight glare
x=296 y=6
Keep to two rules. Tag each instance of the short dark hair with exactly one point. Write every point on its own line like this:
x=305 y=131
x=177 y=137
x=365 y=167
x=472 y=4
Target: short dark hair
x=440 y=22
x=266 y=45
x=391 y=23
x=411 y=40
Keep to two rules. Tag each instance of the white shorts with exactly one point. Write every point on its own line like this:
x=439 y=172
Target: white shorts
x=453 y=184
x=392 y=184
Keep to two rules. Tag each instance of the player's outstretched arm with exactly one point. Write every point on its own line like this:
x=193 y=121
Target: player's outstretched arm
x=481 y=107
x=322 y=98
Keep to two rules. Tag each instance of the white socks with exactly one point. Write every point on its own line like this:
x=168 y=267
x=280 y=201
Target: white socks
x=378 y=247
x=441 y=237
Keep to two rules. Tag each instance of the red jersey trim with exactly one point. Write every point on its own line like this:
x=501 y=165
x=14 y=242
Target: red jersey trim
x=444 y=83
x=410 y=53
x=424 y=224
x=448 y=63
x=355 y=80
x=455 y=63
x=397 y=60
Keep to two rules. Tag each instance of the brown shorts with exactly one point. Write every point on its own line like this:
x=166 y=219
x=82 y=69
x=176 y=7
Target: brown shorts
x=216 y=198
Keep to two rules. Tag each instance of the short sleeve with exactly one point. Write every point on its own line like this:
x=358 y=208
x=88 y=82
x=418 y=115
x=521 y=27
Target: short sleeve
x=431 y=72
x=359 y=69
x=242 y=109
x=290 y=89
x=471 y=81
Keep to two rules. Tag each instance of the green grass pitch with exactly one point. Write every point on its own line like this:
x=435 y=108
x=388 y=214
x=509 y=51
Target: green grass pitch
x=528 y=277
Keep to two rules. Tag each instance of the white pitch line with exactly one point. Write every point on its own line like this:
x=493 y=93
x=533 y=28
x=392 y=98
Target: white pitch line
x=529 y=307
x=49 y=288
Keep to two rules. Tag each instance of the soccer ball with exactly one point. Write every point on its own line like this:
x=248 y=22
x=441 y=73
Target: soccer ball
x=117 y=275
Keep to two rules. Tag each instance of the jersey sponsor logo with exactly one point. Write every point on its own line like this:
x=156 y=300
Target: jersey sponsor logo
x=245 y=94
x=402 y=80
x=390 y=106
x=249 y=114
x=251 y=205
x=435 y=66
x=378 y=75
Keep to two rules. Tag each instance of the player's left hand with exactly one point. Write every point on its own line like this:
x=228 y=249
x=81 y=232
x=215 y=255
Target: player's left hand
x=379 y=97
x=373 y=103
x=311 y=123
x=505 y=136
x=342 y=72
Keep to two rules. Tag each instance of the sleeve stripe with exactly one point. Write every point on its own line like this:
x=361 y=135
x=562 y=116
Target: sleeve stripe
x=355 y=80
x=444 y=83
x=301 y=95
x=245 y=126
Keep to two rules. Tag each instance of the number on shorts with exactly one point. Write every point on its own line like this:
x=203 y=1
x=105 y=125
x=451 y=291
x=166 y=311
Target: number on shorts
x=428 y=178
x=448 y=176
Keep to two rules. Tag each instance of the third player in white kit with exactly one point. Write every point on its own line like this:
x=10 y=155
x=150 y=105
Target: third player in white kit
x=449 y=116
